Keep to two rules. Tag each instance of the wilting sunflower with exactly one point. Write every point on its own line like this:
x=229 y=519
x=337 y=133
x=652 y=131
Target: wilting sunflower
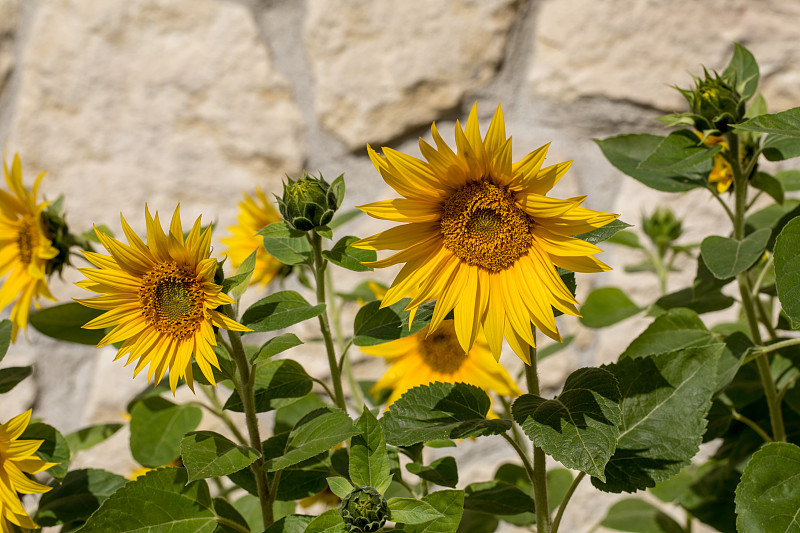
x=254 y=213
x=18 y=457
x=160 y=298
x=421 y=358
x=25 y=248
x=480 y=237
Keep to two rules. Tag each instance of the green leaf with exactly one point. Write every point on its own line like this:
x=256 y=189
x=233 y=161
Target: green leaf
x=442 y=471
x=440 y=411
x=743 y=68
x=768 y=184
x=768 y=497
x=10 y=377
x=54 y=449
x=411 y=511
x=328 y=522
x=315 y=433
x=5 y=337
x=702 y=297
x=343 y=217
x=157 y=427
x=338 y=189
x=626 y=238
x=626 y=152
x=374 y=325
x=554 y=348
x=787 y=270
x=64 y=321
x=607 y=306
x=277 y=383
x=88 y=437
x=276 y=345
x=290 y=524
x=345 y=256
x=340 y=486
x=680 y=150
x=785 y=123
x=207 y=454
x=159 y=501
x=450 y=504
x=237 y=284
x=604 y=233
x=497 y=498
x=780 y=147
x=789 y=180
x=559 y=481
x=288 y=246
x=638 y=516
x=225 y=510
x=287 y=416
x=77 y=496
x=280 y=310
x=665 y=399
x=579 y=428
x=726 y=257
x=369 y=462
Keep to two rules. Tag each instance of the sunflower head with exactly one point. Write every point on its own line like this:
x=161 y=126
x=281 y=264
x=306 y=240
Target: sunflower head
x=309 y=202
x=159 y=298
x=364 y=510
x=17 y=458
x=479 y=235
x=26 y=251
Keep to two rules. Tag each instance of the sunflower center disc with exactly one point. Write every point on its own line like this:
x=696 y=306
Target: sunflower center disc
x=172 y=300
x=441 y=350
x=25 y=238
x=483 y=226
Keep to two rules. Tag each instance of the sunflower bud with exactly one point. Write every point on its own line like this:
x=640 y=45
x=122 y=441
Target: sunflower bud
x=310 y=202
x=364 y=510
x=663 y=228
x=715 y=102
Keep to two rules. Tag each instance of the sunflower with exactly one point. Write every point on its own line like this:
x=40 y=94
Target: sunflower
x=160 y=299
x=421 y=358
x=254 y=213
x=25 y=248
x=480 y=237
x=18 y=457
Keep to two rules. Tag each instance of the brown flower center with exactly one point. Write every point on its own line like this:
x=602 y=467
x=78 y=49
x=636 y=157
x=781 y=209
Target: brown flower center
x=441 y=350
x=26 y=239
x=172 y=300
x=482 y=224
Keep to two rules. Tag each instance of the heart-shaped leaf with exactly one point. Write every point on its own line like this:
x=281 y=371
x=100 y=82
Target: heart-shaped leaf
x=787 y=270
x=726 y=258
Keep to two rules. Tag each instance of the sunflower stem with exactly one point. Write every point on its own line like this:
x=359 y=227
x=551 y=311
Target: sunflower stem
x=245 y=388
x=740 y=184
x=565 y=501
x=320 y=263
x=539 y=466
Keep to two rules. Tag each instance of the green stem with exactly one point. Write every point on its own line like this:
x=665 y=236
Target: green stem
x=740 y=184
x=721 y=201
x=220 y=413
x=523 y=455
x=565 y=501
x=518 y=436
x=231 y=524
x=320 y=263
x=539 y=466
x=779 y=346
x=245 y=388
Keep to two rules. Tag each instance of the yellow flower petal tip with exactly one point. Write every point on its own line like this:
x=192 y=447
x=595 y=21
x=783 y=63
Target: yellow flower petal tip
x=18 y=458
x=480 y=235
x=160 y=299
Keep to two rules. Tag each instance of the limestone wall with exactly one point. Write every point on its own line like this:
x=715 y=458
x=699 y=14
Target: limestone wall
x=193 y=101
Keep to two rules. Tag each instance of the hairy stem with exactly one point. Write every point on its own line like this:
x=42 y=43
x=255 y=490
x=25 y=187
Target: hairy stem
x=539 y=466
x=565 y=501
x=320 y=263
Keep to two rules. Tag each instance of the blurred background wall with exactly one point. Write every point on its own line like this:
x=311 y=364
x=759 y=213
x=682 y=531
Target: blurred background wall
x=195 y=101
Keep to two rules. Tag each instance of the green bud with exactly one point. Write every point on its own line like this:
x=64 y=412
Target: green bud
x=715 y=102
x=663 y=228
x=309 y=202
x=364 y=510
x=57 y=231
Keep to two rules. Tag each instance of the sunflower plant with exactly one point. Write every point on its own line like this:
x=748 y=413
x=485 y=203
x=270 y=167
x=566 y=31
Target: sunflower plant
x=233 y=434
